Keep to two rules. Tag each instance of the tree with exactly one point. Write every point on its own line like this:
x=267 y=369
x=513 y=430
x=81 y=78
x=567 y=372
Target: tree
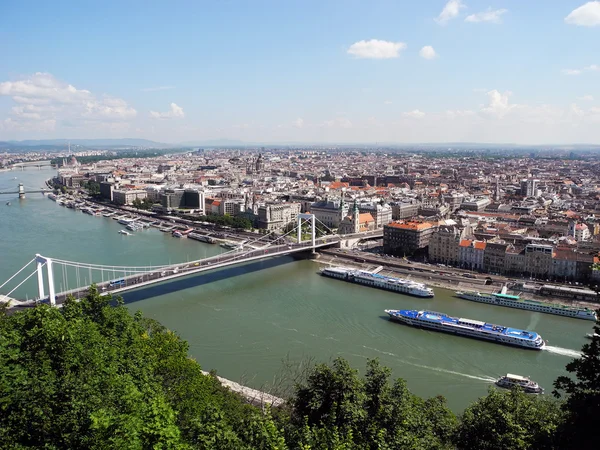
x=91 y=375
x=582 y=405
x=509 y=420
x=335 y=408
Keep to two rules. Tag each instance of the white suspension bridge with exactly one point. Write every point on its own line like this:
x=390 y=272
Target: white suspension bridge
x=75 y=278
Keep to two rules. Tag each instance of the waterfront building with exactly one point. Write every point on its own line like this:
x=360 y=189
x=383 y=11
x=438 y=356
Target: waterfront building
x=514 y=260
x=174 y=199
x=470 y=254
x=127 y=196
x=538 y=260
x=407 y=238
x=564 y=265
x=494 y=257
x=277 y=216
x=444 y=245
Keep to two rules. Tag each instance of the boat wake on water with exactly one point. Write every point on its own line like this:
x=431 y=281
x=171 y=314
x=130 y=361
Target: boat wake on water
x=563 y=351
x=436 y=369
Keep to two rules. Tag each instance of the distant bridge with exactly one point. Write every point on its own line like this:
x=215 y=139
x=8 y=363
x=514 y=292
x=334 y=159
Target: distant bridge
x=21 y=191
x=117 y=279
x=38 y=164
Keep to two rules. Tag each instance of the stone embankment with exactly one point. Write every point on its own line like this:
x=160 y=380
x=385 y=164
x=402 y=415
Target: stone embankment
x=253 y=396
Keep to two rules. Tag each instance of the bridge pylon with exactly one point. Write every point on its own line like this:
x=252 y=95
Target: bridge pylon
x=306 y=218
x=21 y=191
x=40 y=260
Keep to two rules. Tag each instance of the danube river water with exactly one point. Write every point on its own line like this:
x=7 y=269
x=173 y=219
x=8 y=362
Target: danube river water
x=245 y=321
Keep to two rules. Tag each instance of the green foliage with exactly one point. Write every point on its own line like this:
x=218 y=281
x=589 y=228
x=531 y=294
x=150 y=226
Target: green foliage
x=582 y=405
x=226 y=220
x=145 y=204
x=510 y=420
x=93 y=376
x=335 y=409
x=93 y=188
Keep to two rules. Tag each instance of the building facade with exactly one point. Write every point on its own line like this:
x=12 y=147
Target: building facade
x=407 y=238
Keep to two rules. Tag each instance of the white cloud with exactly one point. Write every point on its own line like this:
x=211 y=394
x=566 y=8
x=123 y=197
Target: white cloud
x=43 y=86
x=576 y=111
x=298 y=123
x=590 y=68
x=414 y=114
x=45 y=125
x=490 y=15
x=453 y=114
x=340 y=122
x=376 y=49
x=450 y=11
x=176 y=112
x=42 y=101
x=158 y=88
x=587 y=15
x=428 y=52
x=498 y=105
x=586 y=98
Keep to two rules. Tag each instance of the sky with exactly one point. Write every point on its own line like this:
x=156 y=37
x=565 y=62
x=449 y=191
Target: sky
x=302 y=71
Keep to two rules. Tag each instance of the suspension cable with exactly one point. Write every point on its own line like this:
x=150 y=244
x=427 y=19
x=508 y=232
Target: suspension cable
x=20 y=270
x=19 y=285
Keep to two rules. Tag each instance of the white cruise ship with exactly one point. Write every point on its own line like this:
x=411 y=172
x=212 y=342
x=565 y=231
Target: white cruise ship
x=514 y=301
x=379 y=281
x=467 y=327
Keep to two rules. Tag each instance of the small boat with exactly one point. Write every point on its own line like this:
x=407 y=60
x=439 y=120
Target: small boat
x=592 y=335
x=232 y=245
x=8 y=203
x=126 y=233
x=510 y=380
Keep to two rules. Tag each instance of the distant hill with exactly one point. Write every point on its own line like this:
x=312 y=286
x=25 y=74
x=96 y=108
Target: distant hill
x=215 y=143
x=104 y=143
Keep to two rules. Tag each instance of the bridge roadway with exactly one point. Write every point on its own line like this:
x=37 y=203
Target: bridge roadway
x=184 y=269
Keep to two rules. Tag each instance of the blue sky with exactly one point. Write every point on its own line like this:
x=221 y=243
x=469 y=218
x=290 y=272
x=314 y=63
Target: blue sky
x=302 y=71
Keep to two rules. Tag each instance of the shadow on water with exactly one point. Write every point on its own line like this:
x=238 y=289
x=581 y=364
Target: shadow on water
x=187 y=282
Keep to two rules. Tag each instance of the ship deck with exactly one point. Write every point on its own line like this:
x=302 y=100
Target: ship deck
x=435 y=317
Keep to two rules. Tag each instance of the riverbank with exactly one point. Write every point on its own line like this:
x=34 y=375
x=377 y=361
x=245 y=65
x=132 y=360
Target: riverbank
x=448 y=279
x=253 y=396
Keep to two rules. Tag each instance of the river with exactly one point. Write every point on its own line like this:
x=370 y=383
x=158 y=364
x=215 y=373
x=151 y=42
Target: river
x=244 y=321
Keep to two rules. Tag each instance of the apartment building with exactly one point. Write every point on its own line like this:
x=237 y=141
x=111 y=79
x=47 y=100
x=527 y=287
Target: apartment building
x=470 y=254
x=407 y=238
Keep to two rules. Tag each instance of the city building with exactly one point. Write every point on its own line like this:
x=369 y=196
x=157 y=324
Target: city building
x=277 y=216
x=444 y=245
x=538 y=260
x=381 y=213
x=330 y=212
x=470 y=254
x=407 y=238
x=405 y=210
x=529 y=187
x=127 y=196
